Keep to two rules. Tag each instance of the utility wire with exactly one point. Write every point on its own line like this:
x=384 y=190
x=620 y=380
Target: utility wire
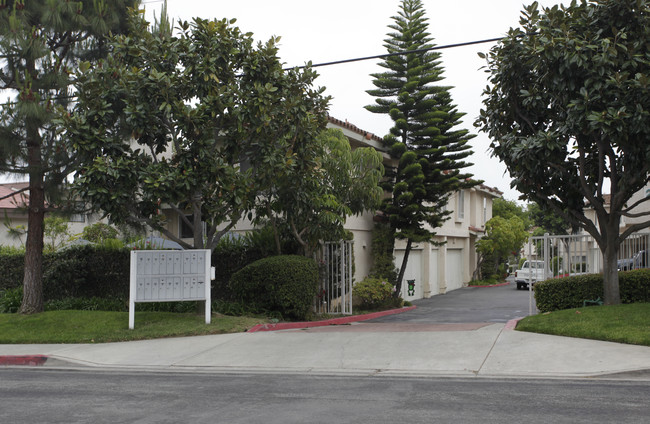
x=402 y=53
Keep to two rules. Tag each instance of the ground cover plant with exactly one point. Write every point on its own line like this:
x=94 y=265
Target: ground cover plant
x=74 y=326
x=615 y=323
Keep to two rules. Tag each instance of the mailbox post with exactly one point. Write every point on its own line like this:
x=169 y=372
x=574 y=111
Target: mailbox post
x=170 y=275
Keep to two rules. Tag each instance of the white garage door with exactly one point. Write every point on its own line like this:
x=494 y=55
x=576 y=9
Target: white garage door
x=413 y=272
x=454 y=269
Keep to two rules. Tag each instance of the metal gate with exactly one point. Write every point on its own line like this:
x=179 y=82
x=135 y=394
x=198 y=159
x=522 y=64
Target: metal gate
x=567 y=255
x=336 y=273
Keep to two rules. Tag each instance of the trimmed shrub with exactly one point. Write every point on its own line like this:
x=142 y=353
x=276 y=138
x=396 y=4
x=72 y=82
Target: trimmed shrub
x=374 y=293
x=571 y=292
x=79 y=271
x=285 y=284
x=87 y=272
x=235 y=251
x=12 y=270
x=10 y=300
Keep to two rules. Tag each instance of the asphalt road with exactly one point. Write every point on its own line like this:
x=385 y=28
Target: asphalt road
x=58 y=396
x=468 y=305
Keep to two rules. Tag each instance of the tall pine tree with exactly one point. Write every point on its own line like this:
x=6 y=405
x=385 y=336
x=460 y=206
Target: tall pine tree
x=429 y=150
x=41 y=41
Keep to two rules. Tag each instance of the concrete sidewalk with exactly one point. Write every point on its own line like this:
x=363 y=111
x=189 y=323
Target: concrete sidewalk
x=482 y=349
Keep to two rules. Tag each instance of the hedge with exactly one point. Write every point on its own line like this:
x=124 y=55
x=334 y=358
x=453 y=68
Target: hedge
x=285 y=284
x=80 y=271
x=571 y=292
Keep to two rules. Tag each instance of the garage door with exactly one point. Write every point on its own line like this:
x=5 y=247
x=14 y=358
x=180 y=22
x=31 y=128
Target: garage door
x=454 y=269
x=413 y=272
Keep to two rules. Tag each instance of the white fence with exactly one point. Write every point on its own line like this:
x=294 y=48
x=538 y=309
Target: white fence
x=568 y=255
x=335 y=290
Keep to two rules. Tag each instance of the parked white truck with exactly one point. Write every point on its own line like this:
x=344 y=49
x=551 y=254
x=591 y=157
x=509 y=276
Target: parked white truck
x=532 y=271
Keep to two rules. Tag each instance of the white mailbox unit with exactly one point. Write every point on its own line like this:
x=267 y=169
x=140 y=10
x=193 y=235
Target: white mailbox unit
x=170 y=275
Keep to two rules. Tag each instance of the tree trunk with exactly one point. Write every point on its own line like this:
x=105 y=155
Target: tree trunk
x=197 y=223
x=402 y=269
x=276 y=233
x=33 y=277
x=610 y=272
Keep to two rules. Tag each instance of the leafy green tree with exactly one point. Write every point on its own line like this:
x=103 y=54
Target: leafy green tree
x=502 y=238
x=195 y=124
x=568 y=110
x=509 y=208
x=326 y=183
x=548 y=220
x=41 y=42
x=98 y=232
x=424 y=139
x=57 y=232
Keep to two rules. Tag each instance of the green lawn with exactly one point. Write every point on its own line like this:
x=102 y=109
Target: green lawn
x=618 y=323
x=100 y=326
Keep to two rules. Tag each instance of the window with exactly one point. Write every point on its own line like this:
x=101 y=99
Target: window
x=184 y=230
x=80 y=216
x=484 y=210
x=461 y=205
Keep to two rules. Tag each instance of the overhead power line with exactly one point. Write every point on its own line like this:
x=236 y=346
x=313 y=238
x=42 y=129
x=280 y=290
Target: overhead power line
x=401 y=53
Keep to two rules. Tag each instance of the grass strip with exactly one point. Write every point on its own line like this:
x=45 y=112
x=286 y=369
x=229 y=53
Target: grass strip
x=101 y=326
x=615 y=323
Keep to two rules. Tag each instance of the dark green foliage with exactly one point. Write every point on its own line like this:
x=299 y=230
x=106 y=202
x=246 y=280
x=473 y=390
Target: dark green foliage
x=10 y=300
x=286 y=284
x=429 y=149
x=98 y=232
x=11 y=270
x=87 y=271
x=570 y=292
x=375 y=293
x=383 y=265
x=235 y=251
x=568 y=112
x=83 y=271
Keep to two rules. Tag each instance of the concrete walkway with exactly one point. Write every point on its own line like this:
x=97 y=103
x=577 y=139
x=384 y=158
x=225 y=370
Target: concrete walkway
x=417 y=349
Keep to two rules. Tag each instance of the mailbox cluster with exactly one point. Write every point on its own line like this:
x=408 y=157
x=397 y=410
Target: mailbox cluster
x=169 y=275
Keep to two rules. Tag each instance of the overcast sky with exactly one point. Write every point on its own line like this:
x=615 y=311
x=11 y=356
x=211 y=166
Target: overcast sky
x=325 y=31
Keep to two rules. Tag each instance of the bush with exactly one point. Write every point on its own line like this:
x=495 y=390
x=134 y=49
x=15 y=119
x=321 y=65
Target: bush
x=285 y=284
x=98 y=232
x=12 y=267
x=235 y=251
x=10 y=300
x=571 y=292
x=79 y=271
x=87 y=271
x=375 y=293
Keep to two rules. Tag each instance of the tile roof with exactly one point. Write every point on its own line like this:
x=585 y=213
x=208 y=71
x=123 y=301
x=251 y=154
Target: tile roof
x=17 y=200
x=345 y=124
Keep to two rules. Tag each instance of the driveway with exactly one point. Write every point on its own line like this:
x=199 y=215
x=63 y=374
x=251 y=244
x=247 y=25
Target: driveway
x=467 y=305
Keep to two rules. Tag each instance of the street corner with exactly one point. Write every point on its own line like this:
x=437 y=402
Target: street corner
x=23 y=360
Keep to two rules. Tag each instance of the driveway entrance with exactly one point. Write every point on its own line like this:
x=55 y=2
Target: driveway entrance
x=466 y=305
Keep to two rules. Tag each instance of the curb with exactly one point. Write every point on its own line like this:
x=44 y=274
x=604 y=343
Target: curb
x=30 y=360
x=494 y=285
x=510 y=325
x=333 y=321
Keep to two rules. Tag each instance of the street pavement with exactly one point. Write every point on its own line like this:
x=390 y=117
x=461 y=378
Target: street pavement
x=468 y=332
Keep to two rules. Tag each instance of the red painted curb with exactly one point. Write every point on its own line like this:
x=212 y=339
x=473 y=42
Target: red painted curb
x=510 y=325
x=31 y=360
x=493 y=285
x=333 y=321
